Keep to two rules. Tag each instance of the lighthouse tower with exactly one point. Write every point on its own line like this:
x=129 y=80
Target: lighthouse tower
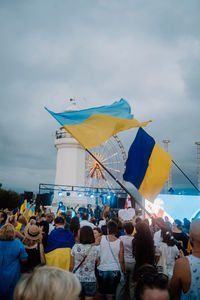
x=70 y=165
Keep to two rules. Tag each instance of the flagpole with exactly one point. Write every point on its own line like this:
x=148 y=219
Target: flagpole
x=186 y=176
x=122 y=186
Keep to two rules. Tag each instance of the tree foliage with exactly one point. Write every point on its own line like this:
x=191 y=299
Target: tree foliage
x=9 y=199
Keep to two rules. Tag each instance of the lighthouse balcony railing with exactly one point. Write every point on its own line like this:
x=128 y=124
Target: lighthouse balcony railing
x=62 y=134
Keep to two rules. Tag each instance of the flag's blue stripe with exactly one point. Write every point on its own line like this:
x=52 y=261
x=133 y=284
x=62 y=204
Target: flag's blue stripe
x=119 y=109
x=32 y=209
x=15 y=210
x=138 y=158
x=59 y=238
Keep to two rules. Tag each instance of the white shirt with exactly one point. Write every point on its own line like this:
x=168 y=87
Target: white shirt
x=157 y=242
x=86 y=223
x=101 y=223
x=171 y=253
x=85 y=273
x=127 y=243
x=107 y=261
x=51 y=227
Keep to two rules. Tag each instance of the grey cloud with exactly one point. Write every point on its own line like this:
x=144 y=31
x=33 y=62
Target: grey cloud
x=97 y=52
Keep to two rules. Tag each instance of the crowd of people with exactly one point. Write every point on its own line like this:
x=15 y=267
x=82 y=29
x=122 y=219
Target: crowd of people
x=57 y=256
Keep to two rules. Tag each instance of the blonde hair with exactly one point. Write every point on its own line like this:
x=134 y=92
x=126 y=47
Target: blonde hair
x=11 y=220
x=29 y=242
x=7 y=232
x=32 y=222
x=48 y=283
x=22 y=219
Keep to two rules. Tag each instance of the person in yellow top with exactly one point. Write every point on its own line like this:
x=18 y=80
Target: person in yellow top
x=136 y=222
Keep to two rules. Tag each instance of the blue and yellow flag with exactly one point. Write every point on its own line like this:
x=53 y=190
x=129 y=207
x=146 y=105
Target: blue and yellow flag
x=58 y=212
x=31 y=210
x=58 y=249
x=23 y=206
x=93 y=126
x=147 y=166
x=15 y=212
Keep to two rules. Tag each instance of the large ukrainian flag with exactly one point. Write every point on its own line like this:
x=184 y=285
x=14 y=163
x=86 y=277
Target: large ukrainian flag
x=58 y=249
x=147 y=166
x=93 y=126
x=23 y=206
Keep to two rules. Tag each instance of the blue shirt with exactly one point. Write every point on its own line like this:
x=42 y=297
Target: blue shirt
x=11 y=252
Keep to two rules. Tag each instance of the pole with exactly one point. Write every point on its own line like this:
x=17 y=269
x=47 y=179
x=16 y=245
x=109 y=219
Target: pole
x=186 y=176
x=122 y=186
x=198 y=163
x=168 y=184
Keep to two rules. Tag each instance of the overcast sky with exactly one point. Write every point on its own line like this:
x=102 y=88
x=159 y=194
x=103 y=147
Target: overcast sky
x=97 y=51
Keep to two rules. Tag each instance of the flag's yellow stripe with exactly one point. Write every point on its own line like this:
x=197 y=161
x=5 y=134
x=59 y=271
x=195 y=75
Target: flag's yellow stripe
x=23 y=207
x=59 y=257
x=99 y=128
x=160 y=163
x=18 y=226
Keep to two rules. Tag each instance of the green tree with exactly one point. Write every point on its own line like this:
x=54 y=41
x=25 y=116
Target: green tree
x=9 y=199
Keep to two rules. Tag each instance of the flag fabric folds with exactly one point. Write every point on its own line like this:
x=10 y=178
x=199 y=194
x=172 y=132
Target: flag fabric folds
x=31 y=210
x=23 y=206
x=93 y=126
x=15 y=212
x=58 y=249
x=147 y=166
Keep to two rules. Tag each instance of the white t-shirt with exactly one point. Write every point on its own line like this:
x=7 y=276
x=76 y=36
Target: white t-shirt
x=157 y=242
x=171 y=253
x=128 y=249
x=85 y=272
x=101 y=223
x=107 y=261
x=51 y=227
x=86 y=223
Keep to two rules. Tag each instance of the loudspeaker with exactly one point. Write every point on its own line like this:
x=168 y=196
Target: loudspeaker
x=44 y=199
x=117 y=202
x=28 y=195
x=121 y=202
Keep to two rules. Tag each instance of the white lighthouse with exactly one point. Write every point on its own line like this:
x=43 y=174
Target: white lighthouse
x=70 y=165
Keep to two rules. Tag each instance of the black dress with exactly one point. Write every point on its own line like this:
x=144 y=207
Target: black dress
x=181 y=236
x=33 y=259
